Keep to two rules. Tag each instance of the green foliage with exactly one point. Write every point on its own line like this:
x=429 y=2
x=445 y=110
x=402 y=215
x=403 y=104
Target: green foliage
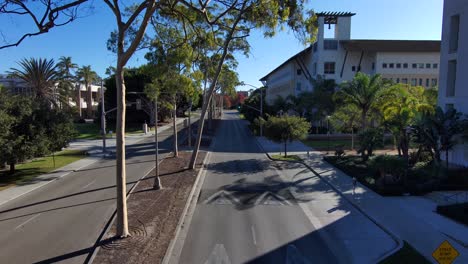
x=41 y=75
x=34 y=129
x=286 y=129
x=388 y=164
x=363 y=92
x=369 y=139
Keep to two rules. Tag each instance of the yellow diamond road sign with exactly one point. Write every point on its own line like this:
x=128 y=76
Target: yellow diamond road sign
x=445 y=253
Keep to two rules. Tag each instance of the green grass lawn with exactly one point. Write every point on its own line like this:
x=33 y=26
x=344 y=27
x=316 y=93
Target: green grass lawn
x=28 y=171
x=287 y=158
x=93 y=131
x=406 y=255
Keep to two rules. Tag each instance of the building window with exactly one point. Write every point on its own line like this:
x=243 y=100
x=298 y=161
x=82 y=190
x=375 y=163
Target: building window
x=315 y=68
x=454 y=29
x=420 y=81
x=398 y=65
x=451 y=78
x=391 y=65
x=421 y=65
x=405 y=65
x=397 y=80
x=414 y=81
x=373 y=66
x=384 y=65
x=428 y=65
x=435 y=65
x=434 y=82
x=299 y=71
x=329 y=68
x=404 y=80
x=353 y=68
x=330 y=44
x=427 y=82
x=415 y=65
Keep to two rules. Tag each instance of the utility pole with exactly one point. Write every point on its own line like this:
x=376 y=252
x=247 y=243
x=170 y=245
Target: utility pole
x=261 y=111
x=103 y=120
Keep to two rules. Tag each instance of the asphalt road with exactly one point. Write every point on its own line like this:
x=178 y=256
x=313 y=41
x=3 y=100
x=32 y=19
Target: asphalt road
x=245 y=213
x=62 y=221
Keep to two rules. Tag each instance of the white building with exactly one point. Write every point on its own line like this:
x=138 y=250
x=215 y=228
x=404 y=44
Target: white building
x=337 y=56
x=453 y=90
x=18 y=86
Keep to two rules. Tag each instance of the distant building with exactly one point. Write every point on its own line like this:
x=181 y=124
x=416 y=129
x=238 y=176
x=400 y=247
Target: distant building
x=453 y=89
x=18 y=86
x=339 y=57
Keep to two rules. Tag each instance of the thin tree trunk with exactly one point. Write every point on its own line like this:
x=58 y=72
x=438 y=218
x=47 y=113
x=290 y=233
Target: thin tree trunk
x=352 y=138
x=157 y=181
x=12 y=168
x=285 y=149
x=78 y=103
x=213 y=84
x=447 y=158
x=121 y=177
x=89 y=101
x=174 y=125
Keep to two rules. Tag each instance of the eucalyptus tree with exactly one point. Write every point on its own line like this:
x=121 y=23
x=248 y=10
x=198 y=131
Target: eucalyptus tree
x=87 y=76
x=41 y=76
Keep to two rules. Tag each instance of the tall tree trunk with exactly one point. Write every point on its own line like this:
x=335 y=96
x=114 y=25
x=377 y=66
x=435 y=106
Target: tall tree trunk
x=285 y=149
x=89 y=101
x=121 y=176
x=174 y=125
x=12 y=167
x=363 y=119
x=78 y=103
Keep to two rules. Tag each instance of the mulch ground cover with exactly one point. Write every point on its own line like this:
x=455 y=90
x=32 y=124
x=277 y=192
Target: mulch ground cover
x=153 y=214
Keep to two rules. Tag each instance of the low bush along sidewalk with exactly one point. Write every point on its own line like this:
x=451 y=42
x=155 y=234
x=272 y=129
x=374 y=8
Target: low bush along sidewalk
x=387 y=174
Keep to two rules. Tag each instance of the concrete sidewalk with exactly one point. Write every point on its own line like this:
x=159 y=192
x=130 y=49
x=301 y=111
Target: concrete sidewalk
x=410 y=218
x=94 y=149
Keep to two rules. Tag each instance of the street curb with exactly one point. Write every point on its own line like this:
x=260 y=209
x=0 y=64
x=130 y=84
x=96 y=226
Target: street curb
x=95 y=159
x=175 y=247
x=356 y=206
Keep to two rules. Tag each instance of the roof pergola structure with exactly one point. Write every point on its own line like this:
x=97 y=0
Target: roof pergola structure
x=331 y=18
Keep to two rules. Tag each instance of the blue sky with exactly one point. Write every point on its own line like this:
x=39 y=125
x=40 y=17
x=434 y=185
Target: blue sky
x=85 y=39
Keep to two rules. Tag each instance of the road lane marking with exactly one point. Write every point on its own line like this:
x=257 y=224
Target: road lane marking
x=269 y=198
x=87 y=185
x=218 y=256
x=222 y=197
x=253 y=235
x=27 y=221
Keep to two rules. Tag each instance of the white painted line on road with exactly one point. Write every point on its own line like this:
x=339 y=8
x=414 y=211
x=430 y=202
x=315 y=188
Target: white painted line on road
x=218 y=256
x=269 y=198
x=222 y=197
x=87 y=185
x=253 y=235
x=27 y=221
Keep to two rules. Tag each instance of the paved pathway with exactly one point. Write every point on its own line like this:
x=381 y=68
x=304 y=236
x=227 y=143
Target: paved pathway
x=410 y=218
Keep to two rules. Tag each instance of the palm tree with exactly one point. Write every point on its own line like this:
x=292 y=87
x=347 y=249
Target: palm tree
x=65 y=66
x=87 y=76
x=363 y=92
x=41 y=75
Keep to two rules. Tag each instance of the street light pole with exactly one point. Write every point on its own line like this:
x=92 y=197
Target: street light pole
x=103 y=120
x=328 y=134
x=157 y=181
x=261 y=112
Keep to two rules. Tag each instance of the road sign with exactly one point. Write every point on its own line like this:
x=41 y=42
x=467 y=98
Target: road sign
x=445 y=253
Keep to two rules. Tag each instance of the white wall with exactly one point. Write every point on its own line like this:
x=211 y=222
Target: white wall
x=460 y=101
